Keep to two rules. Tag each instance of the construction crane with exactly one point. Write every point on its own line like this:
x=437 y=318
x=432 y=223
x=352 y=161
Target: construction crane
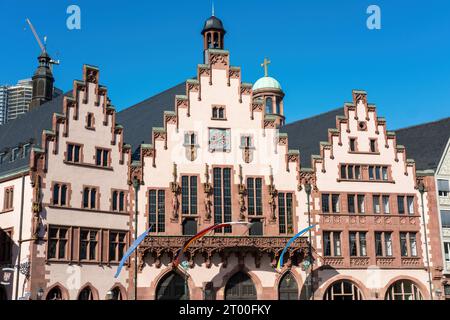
x=42 y=46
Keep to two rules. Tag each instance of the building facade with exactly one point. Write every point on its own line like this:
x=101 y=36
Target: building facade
x=19 y=98
x=210 y=150
x=3 y=104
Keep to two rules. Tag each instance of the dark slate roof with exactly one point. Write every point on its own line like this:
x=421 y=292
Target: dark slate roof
x=425 y=143
x=25 y=129
x=139 y=119
x=305 y=135
x=213 y=23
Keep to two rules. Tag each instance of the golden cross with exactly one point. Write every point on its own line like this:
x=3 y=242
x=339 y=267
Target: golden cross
x=265 y=65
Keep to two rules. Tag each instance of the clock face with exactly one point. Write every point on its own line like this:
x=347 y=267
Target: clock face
x=220 y=140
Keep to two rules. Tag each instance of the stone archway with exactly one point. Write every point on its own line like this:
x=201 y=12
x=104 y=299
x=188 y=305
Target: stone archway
x=240 y=287
x=172 y=286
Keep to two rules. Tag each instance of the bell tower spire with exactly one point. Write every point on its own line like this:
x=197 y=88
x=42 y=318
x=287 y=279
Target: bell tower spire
x=213 y=34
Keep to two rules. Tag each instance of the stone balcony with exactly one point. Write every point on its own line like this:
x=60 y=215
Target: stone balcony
x=224 y=246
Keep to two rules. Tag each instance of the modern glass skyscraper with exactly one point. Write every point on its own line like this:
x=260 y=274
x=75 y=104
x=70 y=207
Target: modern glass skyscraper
x=19 y=98
x=3 y=104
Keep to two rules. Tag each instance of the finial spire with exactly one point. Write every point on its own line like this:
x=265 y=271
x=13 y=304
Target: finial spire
x=213 y=10
x=265 y=65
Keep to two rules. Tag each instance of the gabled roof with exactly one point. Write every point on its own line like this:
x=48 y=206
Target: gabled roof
x=25 y=129
x=305 y=135
x=425 y=143
x=139 y=119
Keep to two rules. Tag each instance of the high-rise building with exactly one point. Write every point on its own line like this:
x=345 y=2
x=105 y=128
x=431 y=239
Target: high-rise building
x=3 y=104
x=19 y=98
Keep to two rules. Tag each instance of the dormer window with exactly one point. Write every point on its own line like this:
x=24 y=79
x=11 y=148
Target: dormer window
x=26 y=150
x=218 y=113
x=2 y=157
x=14 y=154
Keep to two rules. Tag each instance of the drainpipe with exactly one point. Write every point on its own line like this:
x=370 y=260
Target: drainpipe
x=311 y=277
x=136 y=189
x=422 y=191
x=19 y=254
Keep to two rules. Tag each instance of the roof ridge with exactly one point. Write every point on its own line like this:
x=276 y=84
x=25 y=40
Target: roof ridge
x=422 y=124
x=313 y=117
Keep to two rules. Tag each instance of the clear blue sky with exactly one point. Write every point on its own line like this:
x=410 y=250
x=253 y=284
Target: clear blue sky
x=320 y=50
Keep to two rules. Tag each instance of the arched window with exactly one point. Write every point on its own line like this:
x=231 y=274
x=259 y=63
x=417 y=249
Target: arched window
x=54 y=294
x=240 y=287
x=343 y=290
x=116 y=294
x=403 y=290
x=86 y=294
x=172 y=287
x=208 y=38
x=288 y=288
x=269 y=105
x=216 y=40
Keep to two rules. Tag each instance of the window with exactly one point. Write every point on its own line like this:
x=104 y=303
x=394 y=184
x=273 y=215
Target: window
x=2 y=157
x=443 y=188
x=157 y=210
x=6 y=244
x=269 y=105
x=343 y=290
x=378 y=173
x=257 y=228
x=332 y=243
x=351 y=172
x=278 y=105
x=447 y=251
x=246 y=142
x=8 y=200
x=189 y=195
x=218 y=113
x=90 y=198
x=54 y=294
x=288 y=288
x=351 y=203
x=86 y=295
x=408 y=244
x=222 y=197
x=60 y=194
x=325 y=203
x=376 y=204
x=26 y=150
x=57 y=243
x=445 y=218
x=285 y=216
x=353 y=144
x=410 y=203
x=73 y=153
x=447 y=292
x=119 y=201
x=401 y=204
x=88 y=245
x=189 y=227
x=90 y=121
x=190 y=139
x=373 y=145
x=102 y=157
x=117 y=245
x=254 y=196
x=403 y=290
x=358 y=244
x=386 y=205
x=361 y=203
x=383 y=244
x=219 y=140
x=335 y=203
x=14 y=154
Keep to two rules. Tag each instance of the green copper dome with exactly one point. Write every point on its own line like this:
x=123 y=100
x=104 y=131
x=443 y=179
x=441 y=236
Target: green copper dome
x=267 y=83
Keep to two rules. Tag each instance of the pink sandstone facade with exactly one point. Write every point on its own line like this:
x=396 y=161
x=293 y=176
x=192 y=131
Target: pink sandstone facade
x=220 y=157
